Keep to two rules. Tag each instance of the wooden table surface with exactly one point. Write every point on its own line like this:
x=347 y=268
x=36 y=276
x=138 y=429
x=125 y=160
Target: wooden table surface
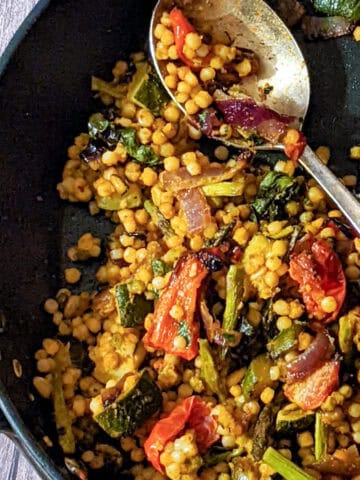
x=13 y=465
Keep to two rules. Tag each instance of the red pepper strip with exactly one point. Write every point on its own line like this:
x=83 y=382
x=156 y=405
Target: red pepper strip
x=294 y=142
x=192 y=412
x=182 y=290
x=318 y=271
x=181 y=27
x=311 y=392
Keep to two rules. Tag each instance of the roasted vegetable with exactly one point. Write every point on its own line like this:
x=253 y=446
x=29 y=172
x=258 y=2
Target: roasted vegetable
x=159 y=267
x=320 y=437
x=180 y=336
x=257 y=376
x=344 y=8
x=146 y=90
x=225 y=189
x=347 y=328
x=284 y=341
x=132 y=198
x=275 y=190
x=116 y=91
x=61 y=412
x=158 y=219
x=181 y=27
x=221 y=235
x=293 y=419
x=132 y=408
x=234 y=293
x=209 y=371
x=192 y=412
x=285 y=467
x=132 y=309
x=317 y=269
x=264 y=427
x=220 y=454
x=311 y=392
x=141 y=153
x=244 y=468
x=343 y=462
x=326 y=27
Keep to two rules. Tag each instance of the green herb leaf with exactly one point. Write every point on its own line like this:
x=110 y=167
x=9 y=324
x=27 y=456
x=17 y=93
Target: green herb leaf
x=97 y=124
x=141 y=153
x=183 y=330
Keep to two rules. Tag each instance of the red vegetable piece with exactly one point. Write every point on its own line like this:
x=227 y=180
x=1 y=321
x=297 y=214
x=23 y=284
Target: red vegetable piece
x=294 y=142
x=181 y=27
x=193 y=413
x=182 y=290
x=309 y=360
x=319 y=273
x=311 y=392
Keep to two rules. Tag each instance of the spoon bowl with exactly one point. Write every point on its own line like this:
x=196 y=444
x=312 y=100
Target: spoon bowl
x=255 y=26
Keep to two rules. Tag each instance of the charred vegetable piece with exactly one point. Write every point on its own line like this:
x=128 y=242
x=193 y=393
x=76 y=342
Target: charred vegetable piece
x=344 y=8
x=221 y=235
x=293 y=419
x=146 y=90
x=257 y=376
x=284 y=341
x=220 y=454
x=275 y=190
x=317 y=269
x=343 y=462
x=224 y=189
x=311 y=392
x=62 y=414
x=116 y=91
x=234 y=293
x=181 y=27
x=192 y=412
x=320 y=437
x=209 y=371
x=159 y=267
x=158 y=219
x=180 y=336
x=263 y=431
x=132 y=309
x=132 y=198
x=141 y=153
x=131 y=409
x=285 y=467
x=326 y=27
x=347 y=325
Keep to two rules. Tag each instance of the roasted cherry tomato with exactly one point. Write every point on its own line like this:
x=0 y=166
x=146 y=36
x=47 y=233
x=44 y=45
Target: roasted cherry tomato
x=294 y=142
x=317 y=269
x=311 y=392
x=181 y=27
x=175 y=328
x=192 y=413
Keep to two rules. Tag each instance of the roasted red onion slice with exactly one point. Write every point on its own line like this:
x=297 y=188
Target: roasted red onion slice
x=196 y=210
x=310 y=359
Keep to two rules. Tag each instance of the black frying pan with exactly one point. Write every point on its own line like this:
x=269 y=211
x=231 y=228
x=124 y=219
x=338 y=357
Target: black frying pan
x=45 y=100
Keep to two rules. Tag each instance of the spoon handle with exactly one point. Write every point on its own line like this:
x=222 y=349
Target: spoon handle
x=338 y=193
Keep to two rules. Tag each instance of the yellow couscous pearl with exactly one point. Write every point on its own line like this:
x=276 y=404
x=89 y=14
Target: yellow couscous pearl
x=72 y=275
x=207 y=74
x=328 y=304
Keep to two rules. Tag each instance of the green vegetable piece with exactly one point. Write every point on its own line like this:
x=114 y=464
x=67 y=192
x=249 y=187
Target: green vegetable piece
x=146 y=89
x=97 y=124
x=132 y=198
x=257 y=377
x=209 y=371
x=61 y=412
x=275 y=190
x=159 y=267
x=221 y=235
x=285 y=467
x=284 y=341
x=131 y=409
x=158 y=219
x=116 y=91
x=234 y=293
x=262 y=431
x=292 y=419
x=344 y=8
x=132 y=311
x=347 y=325
x=220 y=454
x=320 y=437
x=224 y=189
x=141 y=153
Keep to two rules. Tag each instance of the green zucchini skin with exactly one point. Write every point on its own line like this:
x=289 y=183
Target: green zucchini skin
x=131 y=409
x=293 y=420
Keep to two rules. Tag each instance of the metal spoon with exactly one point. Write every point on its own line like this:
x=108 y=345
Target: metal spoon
x=254 y=25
